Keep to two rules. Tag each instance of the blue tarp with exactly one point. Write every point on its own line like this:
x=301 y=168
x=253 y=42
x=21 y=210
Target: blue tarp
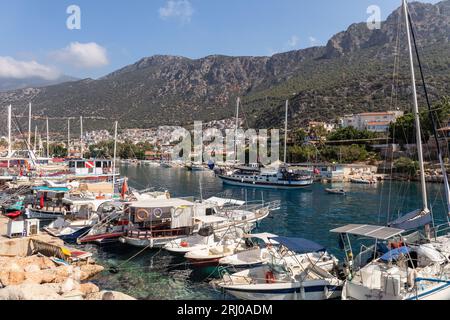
x=394 y=254
x=50 y=189
x=411 y=221
x=299 y=245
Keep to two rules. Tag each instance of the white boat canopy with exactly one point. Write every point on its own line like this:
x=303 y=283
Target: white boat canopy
x=222 y=201
x=265 y=236
x=375 y=232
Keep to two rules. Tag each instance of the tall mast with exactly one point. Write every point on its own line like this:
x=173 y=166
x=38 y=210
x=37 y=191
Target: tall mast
x=29 y=125
x=285 y=131
x=48 y=142
x=9 y=132
x=114 y=159
x=35 y=139
x=68 y=136
x=236 y=130
x=81 y=136
x=416 y=113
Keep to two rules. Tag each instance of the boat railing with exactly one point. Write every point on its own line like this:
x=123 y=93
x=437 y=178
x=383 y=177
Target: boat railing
x=440 y=230
x=254 y=206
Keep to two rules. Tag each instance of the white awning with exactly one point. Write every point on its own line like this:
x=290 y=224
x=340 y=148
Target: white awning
x=265 y=236
x=375 y=232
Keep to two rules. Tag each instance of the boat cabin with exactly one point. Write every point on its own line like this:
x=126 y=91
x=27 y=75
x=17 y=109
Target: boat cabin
x=88 y=167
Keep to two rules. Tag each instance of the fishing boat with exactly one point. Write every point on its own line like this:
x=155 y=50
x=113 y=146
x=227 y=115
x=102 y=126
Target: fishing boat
x=157 y=222
x=191 y=243
x=300 y=270
x=336 y=191
x=194 y=166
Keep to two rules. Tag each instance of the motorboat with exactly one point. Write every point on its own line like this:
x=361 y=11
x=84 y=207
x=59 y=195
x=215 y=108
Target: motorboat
x=336 y=191
x=299 y=270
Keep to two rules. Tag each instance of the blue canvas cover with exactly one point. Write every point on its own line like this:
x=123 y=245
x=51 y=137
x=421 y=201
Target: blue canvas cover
x=299 y=245
x=394 y=254
x=411 y=221
x=50 y=189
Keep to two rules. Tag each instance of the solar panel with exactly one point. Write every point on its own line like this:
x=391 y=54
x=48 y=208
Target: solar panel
x=375 y=232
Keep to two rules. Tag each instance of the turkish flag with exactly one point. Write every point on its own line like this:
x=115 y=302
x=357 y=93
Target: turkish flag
x=41 y=201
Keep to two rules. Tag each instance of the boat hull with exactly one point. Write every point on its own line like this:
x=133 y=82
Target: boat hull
x=267 y=185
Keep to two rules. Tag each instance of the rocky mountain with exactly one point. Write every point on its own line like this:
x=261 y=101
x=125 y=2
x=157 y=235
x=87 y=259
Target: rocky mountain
x=358 y=70
x=8 y=84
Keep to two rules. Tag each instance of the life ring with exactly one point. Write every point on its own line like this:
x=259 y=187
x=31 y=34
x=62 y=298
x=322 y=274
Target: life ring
x=178 y=211
x=270 y=278
x=157 y=213
x=142 y=215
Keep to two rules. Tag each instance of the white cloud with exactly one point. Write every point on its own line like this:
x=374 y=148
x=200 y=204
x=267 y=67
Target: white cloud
x=293 y=41
x=12 y=68
x=313 y=41
x=178 y=9
x=83 y=55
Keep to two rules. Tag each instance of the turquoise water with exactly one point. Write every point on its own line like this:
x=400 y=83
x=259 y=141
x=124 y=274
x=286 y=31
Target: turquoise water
x=308 y=213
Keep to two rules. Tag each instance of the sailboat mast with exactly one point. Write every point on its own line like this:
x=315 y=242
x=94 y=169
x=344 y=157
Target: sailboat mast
x=35 y=139
x=114 y=159
x=285 y=131
x=9 y=133
x=29 y=125
x=48 y=142
x=81 y=136
x=68 y=136
x=416 y=112
x=236 y=129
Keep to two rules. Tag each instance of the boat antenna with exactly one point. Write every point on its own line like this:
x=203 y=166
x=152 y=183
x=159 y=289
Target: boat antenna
x=48 y=141
x=432 y=119
x=29 y=124
x=416 y=115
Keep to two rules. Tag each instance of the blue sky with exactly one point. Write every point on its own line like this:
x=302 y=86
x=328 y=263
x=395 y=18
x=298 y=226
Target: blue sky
x=34 y=38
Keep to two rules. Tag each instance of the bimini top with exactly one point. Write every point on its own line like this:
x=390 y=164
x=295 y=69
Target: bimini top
x=299 y=245
x=265 y=236
x=375 y=232
x=394 y=254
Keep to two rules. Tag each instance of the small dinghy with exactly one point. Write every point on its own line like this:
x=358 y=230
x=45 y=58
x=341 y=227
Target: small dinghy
x=336 y=191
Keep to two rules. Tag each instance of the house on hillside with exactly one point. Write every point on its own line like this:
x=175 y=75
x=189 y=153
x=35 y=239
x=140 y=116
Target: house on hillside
x=371 y=121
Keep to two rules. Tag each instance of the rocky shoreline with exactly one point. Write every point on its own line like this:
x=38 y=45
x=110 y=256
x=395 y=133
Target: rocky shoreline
x=39 y=278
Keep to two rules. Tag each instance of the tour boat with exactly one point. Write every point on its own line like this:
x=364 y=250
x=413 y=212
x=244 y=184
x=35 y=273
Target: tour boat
x=277 y=176
x=301 y=270
x=362 y=181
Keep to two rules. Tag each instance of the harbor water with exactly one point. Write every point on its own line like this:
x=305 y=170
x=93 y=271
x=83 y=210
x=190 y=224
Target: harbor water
x=310 y=213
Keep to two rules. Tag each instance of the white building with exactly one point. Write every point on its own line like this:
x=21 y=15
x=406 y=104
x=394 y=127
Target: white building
x=372 y=121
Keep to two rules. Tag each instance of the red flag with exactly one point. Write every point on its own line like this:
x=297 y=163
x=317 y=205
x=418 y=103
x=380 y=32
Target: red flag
x=41 y=201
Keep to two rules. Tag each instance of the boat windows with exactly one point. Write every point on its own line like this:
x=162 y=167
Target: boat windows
x=98 y=164
x=80 y=165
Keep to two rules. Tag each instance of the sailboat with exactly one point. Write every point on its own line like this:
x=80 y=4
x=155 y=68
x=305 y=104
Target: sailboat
x=400 y=265
x=277 y=175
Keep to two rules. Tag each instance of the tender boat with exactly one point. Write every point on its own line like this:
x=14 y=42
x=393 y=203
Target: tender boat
x=336 y=191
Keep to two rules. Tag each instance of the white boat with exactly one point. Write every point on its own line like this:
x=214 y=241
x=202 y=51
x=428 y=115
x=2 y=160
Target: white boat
x=210 y=256
x=363 y=181
x=303 y=271
x=192 y=243
x=278 y=176
x=403 y=271
x=336 y=191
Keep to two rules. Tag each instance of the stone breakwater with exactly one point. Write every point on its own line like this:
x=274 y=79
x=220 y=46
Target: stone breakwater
x=25 y=275
x=39 y=278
